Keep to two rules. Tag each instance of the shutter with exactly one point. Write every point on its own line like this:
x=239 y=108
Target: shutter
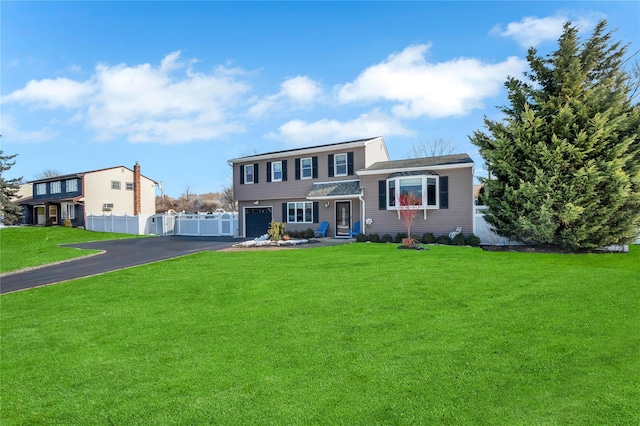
x=350 y=170
x=268 y=171
x=255 y=173
x=316 y=205
x=297 y=164
x=382 y=195
x=314 y=165
x=330 y=164
x=284 y=212
x=444 y=192
x=241 y=175
x=284 y=170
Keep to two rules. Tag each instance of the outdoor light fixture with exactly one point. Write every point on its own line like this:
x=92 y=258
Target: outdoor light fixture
x=326 y=205
x=255 y=203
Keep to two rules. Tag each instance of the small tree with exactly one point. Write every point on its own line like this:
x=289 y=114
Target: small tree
x=409 y=209
x=8 y=190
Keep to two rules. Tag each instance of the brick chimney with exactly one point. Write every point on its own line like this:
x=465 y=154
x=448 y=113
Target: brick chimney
x=137 y=204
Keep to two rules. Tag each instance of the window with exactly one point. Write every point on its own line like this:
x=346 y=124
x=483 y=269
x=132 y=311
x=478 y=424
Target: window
x=107 y=206
x=72 y=185
x=424 y=188
x=300 y=212
x=68 y=211
x=248 y=173
x=41 y=189
x=115 y=184
x=56 y=187
x=307 y=168
x=276 y=171
x=340 y=164
x=129 y=186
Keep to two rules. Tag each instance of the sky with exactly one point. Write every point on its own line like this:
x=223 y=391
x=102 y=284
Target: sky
x=183 y=87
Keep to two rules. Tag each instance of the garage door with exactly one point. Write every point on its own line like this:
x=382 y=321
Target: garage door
x=257 y=221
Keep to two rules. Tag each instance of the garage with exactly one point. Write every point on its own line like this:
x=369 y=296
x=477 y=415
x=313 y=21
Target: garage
x=257 y=221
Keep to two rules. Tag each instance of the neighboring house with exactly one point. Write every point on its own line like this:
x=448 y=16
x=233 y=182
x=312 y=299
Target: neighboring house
x=117 y=190
x=349 y=182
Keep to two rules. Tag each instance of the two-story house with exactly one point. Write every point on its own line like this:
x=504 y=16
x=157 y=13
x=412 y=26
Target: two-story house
x=348 y=182
x=116 y=190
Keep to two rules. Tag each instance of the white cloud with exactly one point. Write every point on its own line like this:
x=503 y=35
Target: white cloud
x=419 y=88
x=532 y=31
x=296 y=92
x=375 y=123
x=10 y=132
x=170 y=103
x=51 y=94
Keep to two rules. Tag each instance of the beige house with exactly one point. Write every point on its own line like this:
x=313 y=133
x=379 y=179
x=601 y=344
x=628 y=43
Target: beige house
x=352 y=186
x=116 y=190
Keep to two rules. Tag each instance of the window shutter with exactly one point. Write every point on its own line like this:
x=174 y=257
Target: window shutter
x=241 y=175
x=255 y=173
x=284 y=170
x=297 y=167
x=444 y=192
x=315 y=211
x=314 y=165
x=382 y=195
x=284 y=212
x=350 y=170
x=330 y=164
x=268 y=171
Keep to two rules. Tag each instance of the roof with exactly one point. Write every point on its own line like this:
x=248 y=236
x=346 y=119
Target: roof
x=439 y=162
x=80 y=174
x=307 y=150
x=338 y=189
x=29 y=201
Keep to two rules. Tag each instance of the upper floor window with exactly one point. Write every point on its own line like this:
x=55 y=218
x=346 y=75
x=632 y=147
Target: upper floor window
x=56 y=187
x=115 y=184
x=41 y=189
x=276 y=171
x=72 y=185
x=129 y=186
x=248 y=173
x=306 y=168
x=340 y=164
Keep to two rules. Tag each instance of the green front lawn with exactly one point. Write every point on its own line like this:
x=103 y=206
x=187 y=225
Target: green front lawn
x=357 y=334
x=29 y=246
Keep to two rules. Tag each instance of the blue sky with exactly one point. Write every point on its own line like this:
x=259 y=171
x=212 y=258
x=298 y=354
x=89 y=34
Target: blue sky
x=182 y=87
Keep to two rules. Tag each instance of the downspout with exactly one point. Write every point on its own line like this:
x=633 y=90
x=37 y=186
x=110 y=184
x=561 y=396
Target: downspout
x=363 y=224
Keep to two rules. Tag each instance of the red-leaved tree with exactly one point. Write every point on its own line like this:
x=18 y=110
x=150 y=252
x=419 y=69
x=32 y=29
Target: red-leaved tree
x=408 y=211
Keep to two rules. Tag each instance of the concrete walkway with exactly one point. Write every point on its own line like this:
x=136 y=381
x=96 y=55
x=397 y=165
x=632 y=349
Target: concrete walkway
x=121 y=254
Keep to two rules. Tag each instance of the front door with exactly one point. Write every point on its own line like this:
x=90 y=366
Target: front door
x=343 y=218
x=40 y=219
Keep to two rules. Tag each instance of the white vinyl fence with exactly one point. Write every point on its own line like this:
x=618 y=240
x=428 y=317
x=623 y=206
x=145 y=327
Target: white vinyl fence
x=199 y=224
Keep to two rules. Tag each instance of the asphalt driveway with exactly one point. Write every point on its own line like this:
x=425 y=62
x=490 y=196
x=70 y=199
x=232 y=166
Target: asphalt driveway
x=119 y=254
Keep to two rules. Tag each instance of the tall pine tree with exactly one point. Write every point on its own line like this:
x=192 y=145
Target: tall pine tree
x=565 y=162
x=8 y=190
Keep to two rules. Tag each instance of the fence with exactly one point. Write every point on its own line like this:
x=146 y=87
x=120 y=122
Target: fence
x=211 y=225
x=487 y=236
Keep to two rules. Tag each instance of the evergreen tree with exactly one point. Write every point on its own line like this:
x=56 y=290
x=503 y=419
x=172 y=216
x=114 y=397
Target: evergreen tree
x=565 y=161
x=8 y=190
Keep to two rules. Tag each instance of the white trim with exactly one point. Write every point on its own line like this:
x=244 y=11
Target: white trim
x=365 y=172
x=335 y=165
x=253 y=174
x=336 y=197
x=273 y=171
x=302 y=176
x=306 y=151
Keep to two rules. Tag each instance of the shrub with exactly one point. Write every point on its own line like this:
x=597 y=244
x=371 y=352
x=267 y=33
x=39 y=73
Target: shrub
x=374 y=238
x=308 y=234
x=443 y=239
x=361 y=238
x=48 y=222
x=386 y=238
x=459 y=240
x=399 y=237
x=67 y=223
x=473 y=241
x=276 y=231
x=428 y=238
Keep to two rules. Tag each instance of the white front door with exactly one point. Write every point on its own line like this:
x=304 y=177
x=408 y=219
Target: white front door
x=40 y=219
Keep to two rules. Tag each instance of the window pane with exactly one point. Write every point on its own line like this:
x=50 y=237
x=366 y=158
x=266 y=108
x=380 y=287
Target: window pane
x=299 y=212
x=306 y=167
x=41 y=189
x=308 y=212
x=431 y=191
x=115 y=184
x=72 y=185
x=248 y=174
x=341 y=164
x=412 y=186
x=392 y=193
x=276 y=169
x=56 y=187
x=292 y=212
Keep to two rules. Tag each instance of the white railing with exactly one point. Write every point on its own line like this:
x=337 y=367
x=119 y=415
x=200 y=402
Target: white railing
x=199 y=224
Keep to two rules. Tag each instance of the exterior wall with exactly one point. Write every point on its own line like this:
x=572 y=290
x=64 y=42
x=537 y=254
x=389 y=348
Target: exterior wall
x=438 y=222
x=376 y=151
x=97 y=190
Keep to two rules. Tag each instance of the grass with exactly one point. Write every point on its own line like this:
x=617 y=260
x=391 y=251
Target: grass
x=29 y=246
x=357 y=334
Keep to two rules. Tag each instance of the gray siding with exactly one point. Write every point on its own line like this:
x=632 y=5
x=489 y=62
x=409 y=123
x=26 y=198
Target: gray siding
x=439 y=221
